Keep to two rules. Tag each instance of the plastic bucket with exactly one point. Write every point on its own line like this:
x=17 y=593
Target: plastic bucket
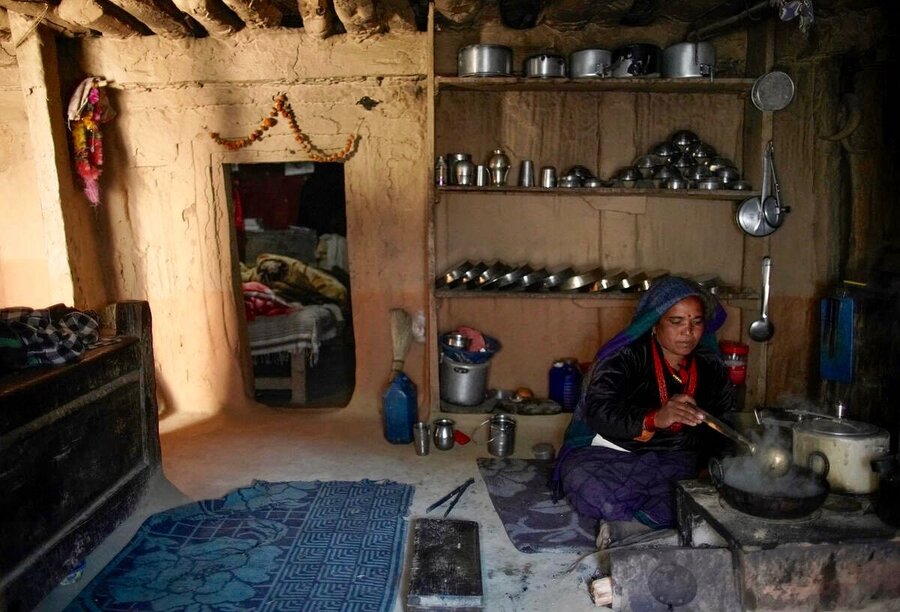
x=463 y=384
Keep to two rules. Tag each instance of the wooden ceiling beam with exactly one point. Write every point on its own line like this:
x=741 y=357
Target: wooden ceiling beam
x=90 y=14
x=318 y=17
x=213 y=15
x=360 y=18
x=156 y=19
x=397 y=15
x=49 y=16
x=256 y=13
x=458 y=12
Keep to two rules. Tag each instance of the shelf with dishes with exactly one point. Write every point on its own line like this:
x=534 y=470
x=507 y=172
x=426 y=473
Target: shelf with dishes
x=732 y=86
x=683 y=193
x=498 y=279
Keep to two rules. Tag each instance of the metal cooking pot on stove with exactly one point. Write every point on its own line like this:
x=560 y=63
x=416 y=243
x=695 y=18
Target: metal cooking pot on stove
x=850 y=447
x=689 y=59
x=545 y=65
x=798 y=493
x=484 y=60
x=636 y=59
x=590 y=64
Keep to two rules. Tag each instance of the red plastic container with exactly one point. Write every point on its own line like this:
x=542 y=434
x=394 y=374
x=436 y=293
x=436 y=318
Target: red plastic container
x=735 y=356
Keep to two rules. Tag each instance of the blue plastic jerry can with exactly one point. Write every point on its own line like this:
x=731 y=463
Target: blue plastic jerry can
x=400 y=407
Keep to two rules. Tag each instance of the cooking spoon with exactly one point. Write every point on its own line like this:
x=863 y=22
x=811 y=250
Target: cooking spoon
x=762 y=329
x=775 y=460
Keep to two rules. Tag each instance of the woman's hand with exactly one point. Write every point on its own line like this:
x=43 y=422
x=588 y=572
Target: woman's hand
x=679 y=409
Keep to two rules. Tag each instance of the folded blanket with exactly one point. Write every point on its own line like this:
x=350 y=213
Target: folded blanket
x=48 y=336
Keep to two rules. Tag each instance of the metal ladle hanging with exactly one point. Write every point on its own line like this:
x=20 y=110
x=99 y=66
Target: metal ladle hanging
x=772 y=207
x=750 y=217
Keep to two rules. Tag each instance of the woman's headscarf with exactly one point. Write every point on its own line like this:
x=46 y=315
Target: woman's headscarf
x=661 y=296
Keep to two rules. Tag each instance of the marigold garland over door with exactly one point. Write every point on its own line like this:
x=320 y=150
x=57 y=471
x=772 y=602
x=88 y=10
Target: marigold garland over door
x=282 y=107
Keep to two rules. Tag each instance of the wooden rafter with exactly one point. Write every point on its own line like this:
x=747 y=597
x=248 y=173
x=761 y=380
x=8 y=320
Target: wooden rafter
x=90 y=14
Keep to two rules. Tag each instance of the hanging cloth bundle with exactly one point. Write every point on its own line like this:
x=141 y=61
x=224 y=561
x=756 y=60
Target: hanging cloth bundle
x=88 y=109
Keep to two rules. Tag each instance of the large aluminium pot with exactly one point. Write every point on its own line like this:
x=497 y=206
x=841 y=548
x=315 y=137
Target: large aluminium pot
x=745 y=488
x=850 y=447
x=636 y=59
x=689 y=59
x=545 y=65
x=484 y=60
x=590 y=64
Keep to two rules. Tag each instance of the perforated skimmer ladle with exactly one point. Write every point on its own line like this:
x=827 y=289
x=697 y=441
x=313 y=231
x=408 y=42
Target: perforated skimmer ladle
x=774 y=460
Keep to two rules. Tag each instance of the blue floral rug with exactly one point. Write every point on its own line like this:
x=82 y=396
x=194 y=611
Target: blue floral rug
x=520 y=492
x=270 y=546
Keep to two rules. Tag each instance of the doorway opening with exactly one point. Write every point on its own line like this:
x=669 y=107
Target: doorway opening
x=290 y=221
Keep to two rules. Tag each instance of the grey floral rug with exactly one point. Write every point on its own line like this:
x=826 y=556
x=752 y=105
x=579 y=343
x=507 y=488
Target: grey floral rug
x=520 y=492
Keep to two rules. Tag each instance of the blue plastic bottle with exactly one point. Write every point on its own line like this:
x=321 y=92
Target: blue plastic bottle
x=565 y=383
x=400 y=407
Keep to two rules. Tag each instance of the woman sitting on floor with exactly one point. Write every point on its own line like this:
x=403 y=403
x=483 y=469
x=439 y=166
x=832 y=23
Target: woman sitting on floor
x=634 y=432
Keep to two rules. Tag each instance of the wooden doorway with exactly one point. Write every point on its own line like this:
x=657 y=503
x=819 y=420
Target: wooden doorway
x=290 y=223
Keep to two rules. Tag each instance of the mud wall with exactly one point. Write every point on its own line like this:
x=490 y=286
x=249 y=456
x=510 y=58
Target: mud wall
x=165 y=217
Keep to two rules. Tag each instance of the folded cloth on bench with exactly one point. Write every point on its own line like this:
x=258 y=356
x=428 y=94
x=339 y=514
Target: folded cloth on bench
x=306 y=328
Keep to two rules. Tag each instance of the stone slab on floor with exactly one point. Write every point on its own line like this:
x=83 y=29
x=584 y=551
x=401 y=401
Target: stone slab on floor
x=446 y=566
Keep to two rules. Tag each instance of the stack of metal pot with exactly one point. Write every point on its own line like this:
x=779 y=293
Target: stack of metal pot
x=682 y=162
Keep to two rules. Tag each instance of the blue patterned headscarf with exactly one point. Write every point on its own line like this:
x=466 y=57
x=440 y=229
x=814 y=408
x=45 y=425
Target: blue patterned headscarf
x=661 y=296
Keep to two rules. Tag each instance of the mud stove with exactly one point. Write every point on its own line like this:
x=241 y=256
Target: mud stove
x=841 y=556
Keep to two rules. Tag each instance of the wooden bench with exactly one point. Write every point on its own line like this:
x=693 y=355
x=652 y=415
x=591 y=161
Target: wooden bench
x=78 y=445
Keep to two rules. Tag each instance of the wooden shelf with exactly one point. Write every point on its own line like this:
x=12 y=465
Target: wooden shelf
x=733 y=86
x=741 y=300
x=685 y=194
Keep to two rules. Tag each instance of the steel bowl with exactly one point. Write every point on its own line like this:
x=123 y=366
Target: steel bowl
x=453 y=274
x=685 y=139
x=569 y=181
x=676 y=182
x=720 y=162
x=728 y=174
x=741 y=185
x=552 y=282
x=668 y=151
x=696 y=173
x=711 y=183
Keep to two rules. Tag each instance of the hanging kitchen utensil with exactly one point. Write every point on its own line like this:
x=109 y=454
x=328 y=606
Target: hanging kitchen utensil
x=773 y=208
x=772 y=91
x=750 y=216
x=762 y=329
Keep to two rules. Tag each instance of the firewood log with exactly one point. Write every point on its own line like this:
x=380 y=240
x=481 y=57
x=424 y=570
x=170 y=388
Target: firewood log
x=602 y=592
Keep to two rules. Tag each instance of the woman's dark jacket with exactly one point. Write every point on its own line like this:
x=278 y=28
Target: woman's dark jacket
x=623 y=389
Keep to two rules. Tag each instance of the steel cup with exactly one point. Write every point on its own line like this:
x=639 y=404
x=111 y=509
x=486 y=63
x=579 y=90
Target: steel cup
x=548 y=177
x=482 y=176
x=422 y=438
x=526 y=173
